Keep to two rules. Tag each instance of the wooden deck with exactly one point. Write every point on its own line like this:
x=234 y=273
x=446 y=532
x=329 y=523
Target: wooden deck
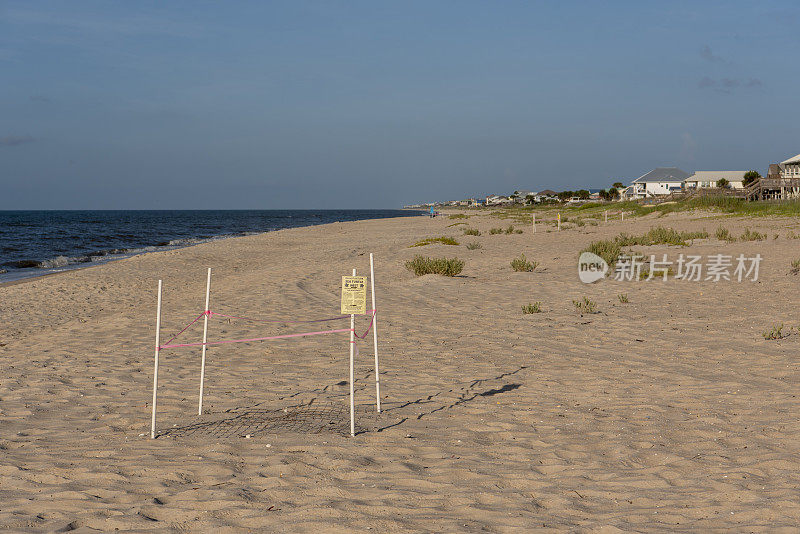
x=770 y=188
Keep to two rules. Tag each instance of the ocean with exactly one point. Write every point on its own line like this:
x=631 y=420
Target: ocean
x=33 y=243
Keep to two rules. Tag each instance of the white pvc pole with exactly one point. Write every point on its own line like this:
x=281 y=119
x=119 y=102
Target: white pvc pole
x=605 y=214
x=534 y=223
x=375 y=335
x=623 y=216
x=155 y=370
x=352 y=394
x=205 y=339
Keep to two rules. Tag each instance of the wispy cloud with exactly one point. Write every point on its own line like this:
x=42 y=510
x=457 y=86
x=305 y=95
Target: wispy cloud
x=15 y=140
x=40 y=98
x=728 y=85
x=709 y=56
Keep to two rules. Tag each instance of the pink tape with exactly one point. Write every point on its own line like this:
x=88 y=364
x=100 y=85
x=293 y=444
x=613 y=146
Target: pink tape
x=284 y=336
x=256 y=339
x=369 y=327
x=186 y=327
x=280 y=321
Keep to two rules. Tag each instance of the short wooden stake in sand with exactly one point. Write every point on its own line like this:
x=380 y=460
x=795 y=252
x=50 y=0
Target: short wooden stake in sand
x=352 y=391
x=559 y=222
x=155 y=370
x=375 y=334
x=205 y=339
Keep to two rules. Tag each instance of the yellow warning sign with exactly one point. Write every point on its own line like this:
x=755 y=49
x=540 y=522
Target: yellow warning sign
x=354 y=294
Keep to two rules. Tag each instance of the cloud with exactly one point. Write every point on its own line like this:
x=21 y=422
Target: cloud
x=15 y=140
x=709 y=56
x=40 y=98
x=728 y=85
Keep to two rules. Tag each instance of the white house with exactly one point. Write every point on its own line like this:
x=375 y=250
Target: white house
x=497 y=200
x=709 y=179
x=791 y=167
x=659 y=182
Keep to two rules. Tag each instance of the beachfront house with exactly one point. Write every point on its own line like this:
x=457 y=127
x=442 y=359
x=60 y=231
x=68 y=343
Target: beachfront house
x=546 y=195
x=521 y=197
x=709 y=179
x=791 y=167
x=497 y=200
x=659 y=182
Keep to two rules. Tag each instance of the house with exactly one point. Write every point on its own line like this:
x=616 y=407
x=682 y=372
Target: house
x=709 y=179
x=594 y=194
x=782 y=181
x=659 y=182
x=521 y=197
x=627 y=193
x=497 y=200
x=547 y=195
x=791 y=167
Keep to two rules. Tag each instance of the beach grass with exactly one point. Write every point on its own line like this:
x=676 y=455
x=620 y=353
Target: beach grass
x=429 y=241
x=522 y=265
x=421 y=265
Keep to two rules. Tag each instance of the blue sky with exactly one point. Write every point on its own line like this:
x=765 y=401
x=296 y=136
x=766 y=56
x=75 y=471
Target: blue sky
x=161 y=105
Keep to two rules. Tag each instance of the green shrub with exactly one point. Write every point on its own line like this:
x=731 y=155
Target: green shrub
x=607 y=249
x=443 y=240
x=510 y=229
x=472 y=231
x=749 y=235
x=421 y=265
x=775 y=333
x=795 y=267
x=536 y=307
x=474 y=245
x=723 y=234
x=494 y=231
x=623 y=298
x=660 y=236
x=458 y=216
x=522 y=265
x=584 y=306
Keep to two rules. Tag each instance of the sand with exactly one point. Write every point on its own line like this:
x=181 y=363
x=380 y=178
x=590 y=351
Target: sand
x=669 y=413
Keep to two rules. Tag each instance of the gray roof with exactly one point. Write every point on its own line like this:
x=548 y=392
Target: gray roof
x=663 y=174
x=713 y=176
x=795 y=159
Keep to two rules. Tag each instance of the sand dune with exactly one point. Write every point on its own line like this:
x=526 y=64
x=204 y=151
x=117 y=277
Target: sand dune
x=669 y=413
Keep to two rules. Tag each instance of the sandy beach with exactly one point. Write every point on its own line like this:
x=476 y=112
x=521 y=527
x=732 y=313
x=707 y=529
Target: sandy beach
x=667 y=413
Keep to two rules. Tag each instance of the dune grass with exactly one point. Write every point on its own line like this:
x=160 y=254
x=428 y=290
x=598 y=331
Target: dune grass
x=585 y=306
x=610 y=249
x=751 y=235
x=535 y=307
x=421 y=265
x=522 y=265
x=443 y=240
